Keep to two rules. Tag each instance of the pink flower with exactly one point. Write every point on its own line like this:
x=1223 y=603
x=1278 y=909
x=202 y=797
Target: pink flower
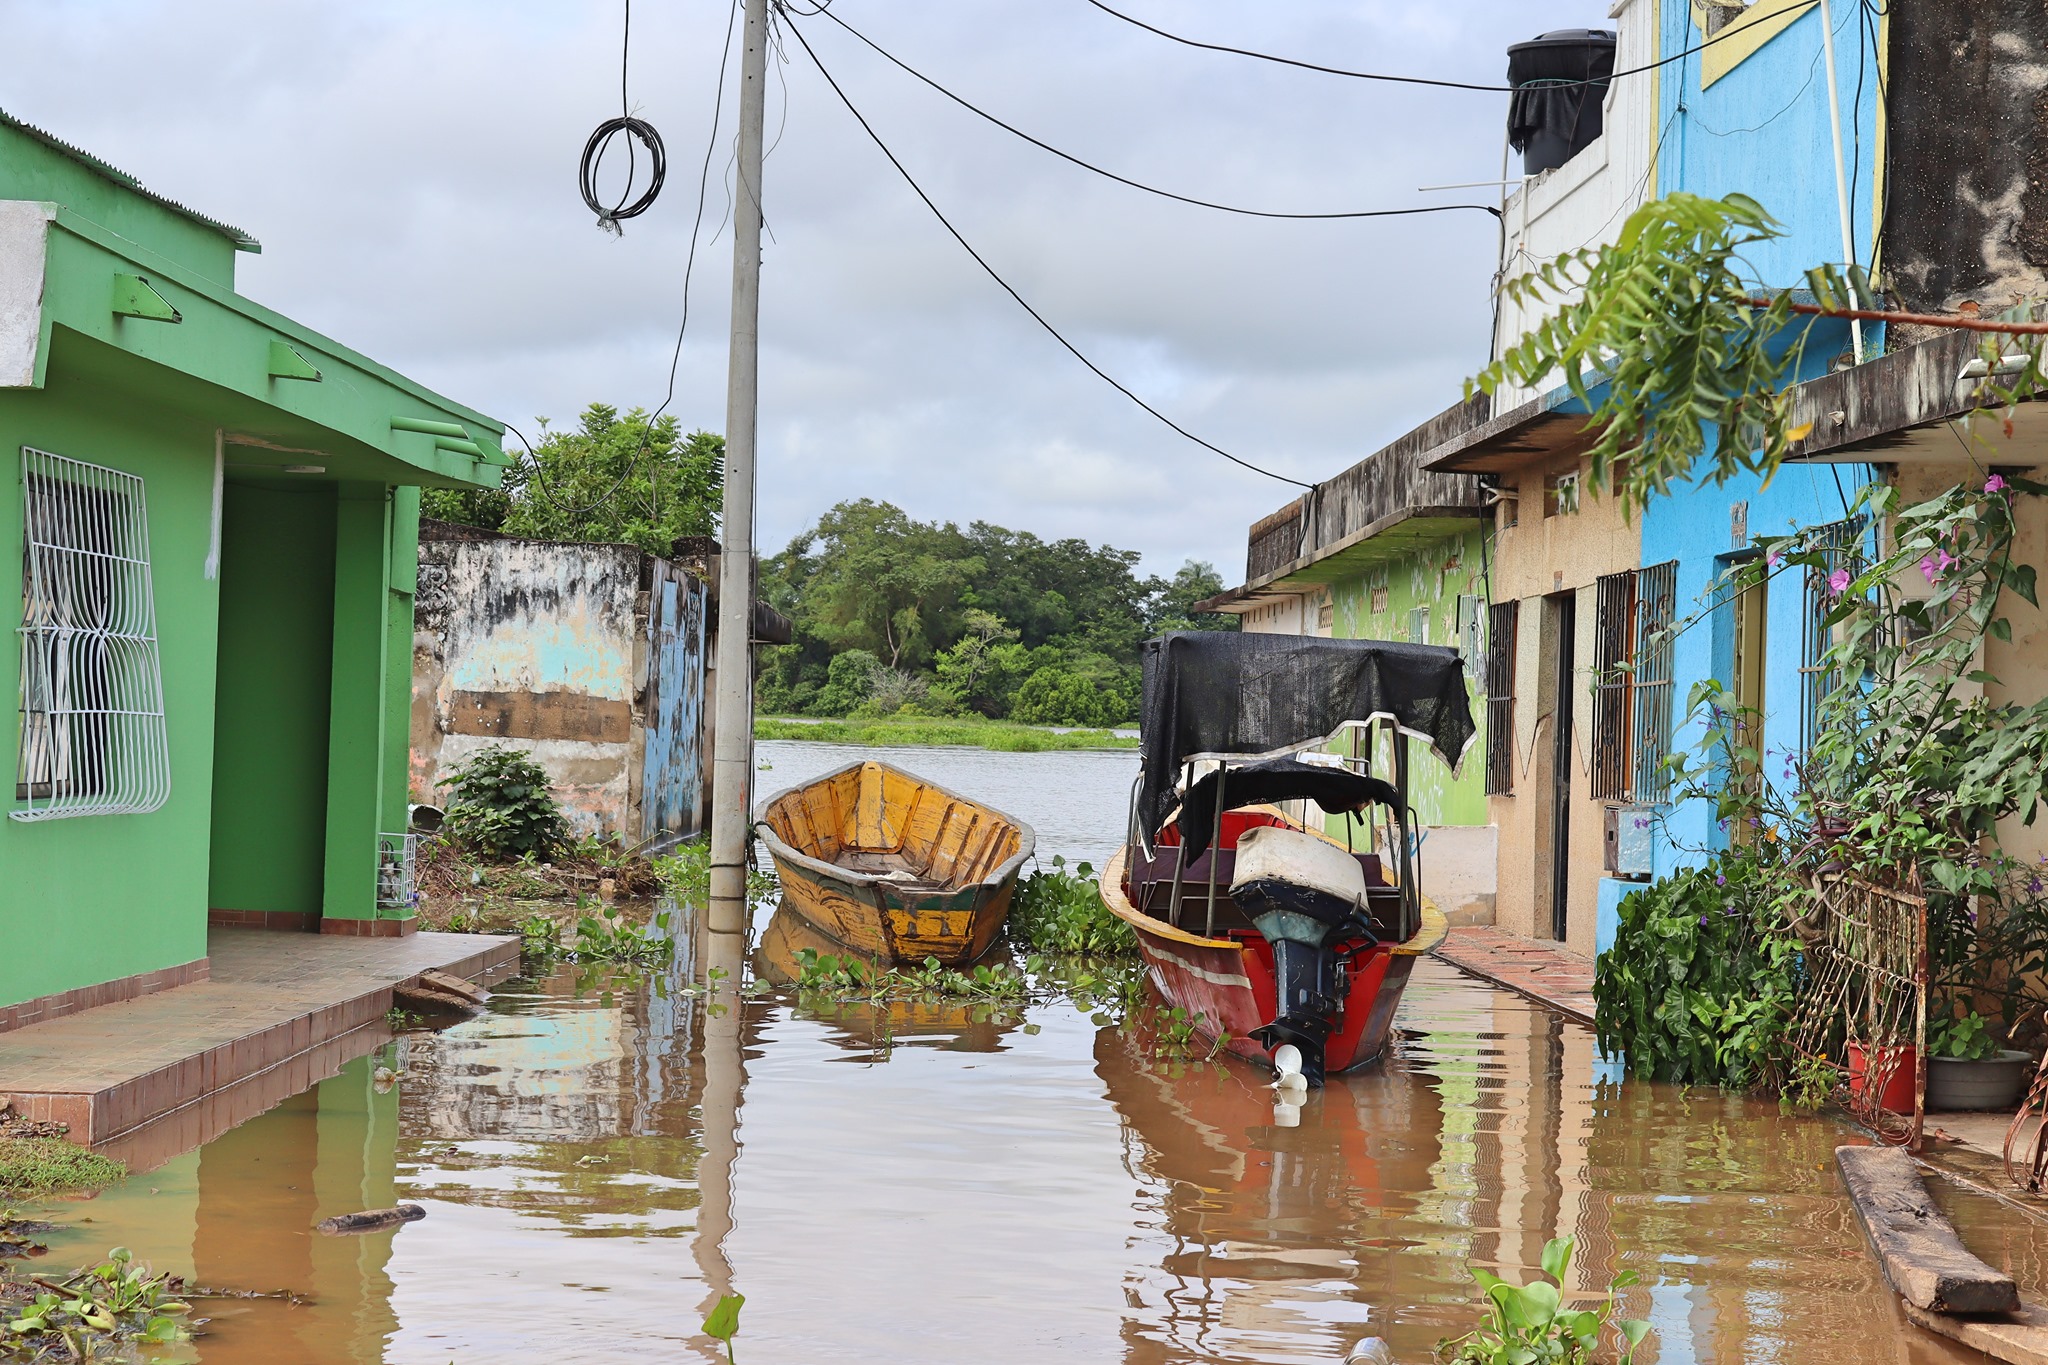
x=1774 y=558
x=1838 y=582
x=1927 y=569
x=1994 y=484
x=1946 y=561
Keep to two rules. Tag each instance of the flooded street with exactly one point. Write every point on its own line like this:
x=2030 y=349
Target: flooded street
x=603 y=1155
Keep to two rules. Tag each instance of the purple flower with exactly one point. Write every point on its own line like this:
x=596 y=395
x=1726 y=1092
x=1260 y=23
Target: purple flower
x=1927 y=569
x=1703 y=921
x=2034 y=885
x=1838 y=582
x=1719 y=880
x=1774 y=559
x=1994 y=484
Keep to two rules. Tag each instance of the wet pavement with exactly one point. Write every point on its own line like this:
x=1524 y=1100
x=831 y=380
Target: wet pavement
x=602 y=1155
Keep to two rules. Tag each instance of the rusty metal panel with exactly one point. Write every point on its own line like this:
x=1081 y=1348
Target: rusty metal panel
x=540 y=715
x=672 y=783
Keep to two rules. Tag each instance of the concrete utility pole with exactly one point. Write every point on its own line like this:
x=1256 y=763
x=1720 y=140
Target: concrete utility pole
x=732 y=764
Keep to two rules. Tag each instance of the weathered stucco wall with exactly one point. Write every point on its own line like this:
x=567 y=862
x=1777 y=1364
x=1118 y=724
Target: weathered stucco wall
x=538 y=646
x=1967 y=216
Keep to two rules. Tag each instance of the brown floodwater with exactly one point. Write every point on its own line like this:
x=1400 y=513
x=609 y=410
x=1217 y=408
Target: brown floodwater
x=602 y=1155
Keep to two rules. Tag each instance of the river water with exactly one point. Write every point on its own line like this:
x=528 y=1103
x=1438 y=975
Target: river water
x=603 y=1155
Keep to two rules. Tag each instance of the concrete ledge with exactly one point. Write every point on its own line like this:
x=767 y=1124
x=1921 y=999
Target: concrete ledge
x=271 y=999
x=2020 y=1337
x=371 y=928
x=47 y=1007
x=284 y=921
x=1546 y=972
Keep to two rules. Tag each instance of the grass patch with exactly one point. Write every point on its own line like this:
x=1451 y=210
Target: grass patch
x=47 y=1165
x=969 y=732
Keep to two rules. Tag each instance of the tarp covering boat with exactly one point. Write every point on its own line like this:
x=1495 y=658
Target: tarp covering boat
x=1220 y=692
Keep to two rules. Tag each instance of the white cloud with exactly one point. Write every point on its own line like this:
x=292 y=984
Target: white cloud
x=411 y=171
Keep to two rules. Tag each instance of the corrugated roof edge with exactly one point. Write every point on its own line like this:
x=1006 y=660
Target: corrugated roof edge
x=242 y=240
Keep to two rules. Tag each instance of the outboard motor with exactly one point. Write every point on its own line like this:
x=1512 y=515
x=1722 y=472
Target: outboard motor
x=1305 y=895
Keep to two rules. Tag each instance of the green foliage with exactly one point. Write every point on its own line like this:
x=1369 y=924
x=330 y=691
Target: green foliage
x=1699 y=985
x=1530 y=1325
x=856 y=977
x=49 y=1165
x=604 y=935
x=1961 y=1033
x=967 y=732
x=685 y=874
x=1057 y=696
x=724 y=1322
x=92 y=1313
x=502 y=806
x=540 y=936
x=1057 y=911
x=1660 y=336
x=667 y=485
x=941 y=619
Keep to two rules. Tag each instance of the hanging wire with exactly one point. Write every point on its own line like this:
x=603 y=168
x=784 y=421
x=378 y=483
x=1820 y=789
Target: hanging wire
x=634 y=130
x=1126 y=180
x=1725 y=34
x=682 y=328
x=1007 y=288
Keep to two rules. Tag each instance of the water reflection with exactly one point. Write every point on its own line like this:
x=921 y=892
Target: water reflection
x=603 y=1155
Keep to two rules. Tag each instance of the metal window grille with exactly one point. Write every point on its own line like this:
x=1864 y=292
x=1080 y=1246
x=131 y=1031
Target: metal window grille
x=1632 y=690
x=1614 y=631
x=1418 y=625
x=395 y=862
x=92 y=739
x=1841 y=547
x=1650 y=680
x=1472 y=628
x=1501 y=620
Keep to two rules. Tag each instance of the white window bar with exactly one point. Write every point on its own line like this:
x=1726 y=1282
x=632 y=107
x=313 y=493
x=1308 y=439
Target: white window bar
x=92 y=739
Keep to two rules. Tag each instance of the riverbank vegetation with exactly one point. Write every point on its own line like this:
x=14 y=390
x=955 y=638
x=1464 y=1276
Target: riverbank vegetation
x=1919 y=761
x=966 y=732
x=1061 y=912
x=36 y=1160
x=898 y=617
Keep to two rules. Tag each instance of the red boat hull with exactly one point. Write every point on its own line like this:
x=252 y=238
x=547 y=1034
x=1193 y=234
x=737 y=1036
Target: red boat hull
x=1226 y=983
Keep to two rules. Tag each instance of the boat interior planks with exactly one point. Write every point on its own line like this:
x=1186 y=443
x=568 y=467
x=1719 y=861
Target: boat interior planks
x=893 y=866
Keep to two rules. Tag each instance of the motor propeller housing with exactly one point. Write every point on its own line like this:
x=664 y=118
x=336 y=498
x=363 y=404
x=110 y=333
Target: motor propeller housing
x=1305 y=895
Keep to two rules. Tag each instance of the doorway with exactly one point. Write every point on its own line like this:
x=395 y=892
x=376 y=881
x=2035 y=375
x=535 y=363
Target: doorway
x=1561 y=627
x=1746 y=681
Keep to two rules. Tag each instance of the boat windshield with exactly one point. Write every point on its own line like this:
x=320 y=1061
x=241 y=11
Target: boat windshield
x=1336 y=790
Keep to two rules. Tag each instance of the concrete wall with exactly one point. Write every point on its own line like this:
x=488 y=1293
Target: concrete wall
x=549 y=648
x=1538 y=559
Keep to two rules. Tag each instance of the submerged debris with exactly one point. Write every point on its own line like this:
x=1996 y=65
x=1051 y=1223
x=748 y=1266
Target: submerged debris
x=370 y=1220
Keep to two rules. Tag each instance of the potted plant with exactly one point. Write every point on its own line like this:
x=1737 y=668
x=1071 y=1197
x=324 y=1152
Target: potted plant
x=1967 y=1067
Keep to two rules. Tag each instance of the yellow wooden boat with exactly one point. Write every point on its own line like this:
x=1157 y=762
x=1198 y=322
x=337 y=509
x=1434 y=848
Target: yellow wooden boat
x=893 y=866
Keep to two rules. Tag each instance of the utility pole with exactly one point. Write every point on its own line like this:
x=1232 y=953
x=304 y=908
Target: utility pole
x=732 y=764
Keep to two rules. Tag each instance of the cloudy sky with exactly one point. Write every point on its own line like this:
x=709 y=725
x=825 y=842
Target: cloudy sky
x=410 y=168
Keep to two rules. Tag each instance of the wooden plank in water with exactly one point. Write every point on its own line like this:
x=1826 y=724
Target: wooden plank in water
x=1920 y=1253
x=2021 y=1337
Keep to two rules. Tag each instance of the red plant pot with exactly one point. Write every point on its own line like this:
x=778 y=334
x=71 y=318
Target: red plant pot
x=1899 y=1086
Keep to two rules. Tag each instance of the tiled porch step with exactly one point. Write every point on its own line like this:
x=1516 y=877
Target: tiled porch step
x=271 y=998
x=1547 y=973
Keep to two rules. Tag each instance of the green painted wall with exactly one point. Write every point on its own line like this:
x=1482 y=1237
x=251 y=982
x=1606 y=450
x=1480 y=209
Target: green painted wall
x=32 y=170
x=276 y=638
x=89 y=899
x=1379 y=604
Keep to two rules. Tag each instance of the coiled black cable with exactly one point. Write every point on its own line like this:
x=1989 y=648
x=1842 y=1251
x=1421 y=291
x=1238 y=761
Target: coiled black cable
x=636 y=130
x=643 y=132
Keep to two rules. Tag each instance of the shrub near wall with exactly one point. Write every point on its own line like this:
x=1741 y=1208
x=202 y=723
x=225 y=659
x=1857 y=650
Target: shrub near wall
x=1698 y=987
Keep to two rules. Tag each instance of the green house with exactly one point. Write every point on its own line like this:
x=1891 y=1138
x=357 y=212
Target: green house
x=217 y=513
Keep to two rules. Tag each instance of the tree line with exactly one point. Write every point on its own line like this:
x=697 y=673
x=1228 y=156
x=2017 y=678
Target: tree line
x=892 y=615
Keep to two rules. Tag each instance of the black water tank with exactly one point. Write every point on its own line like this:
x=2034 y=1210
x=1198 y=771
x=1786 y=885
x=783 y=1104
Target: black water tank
x=1560 y=80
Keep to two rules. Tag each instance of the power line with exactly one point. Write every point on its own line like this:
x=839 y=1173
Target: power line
x=683 y=327
x=990 y=270
x=1724 y=34
x=1126 y=180
x=635 y=130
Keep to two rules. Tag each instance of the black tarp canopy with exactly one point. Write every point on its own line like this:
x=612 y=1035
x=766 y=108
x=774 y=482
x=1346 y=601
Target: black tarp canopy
x=1221 y=692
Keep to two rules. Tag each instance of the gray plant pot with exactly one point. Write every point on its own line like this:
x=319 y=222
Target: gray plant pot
x=1994 y=1083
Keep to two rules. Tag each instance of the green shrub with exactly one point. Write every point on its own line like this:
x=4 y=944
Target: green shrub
x=1057 y=911
x=502 y=805
x=1054 y=696
x=1698 y=987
